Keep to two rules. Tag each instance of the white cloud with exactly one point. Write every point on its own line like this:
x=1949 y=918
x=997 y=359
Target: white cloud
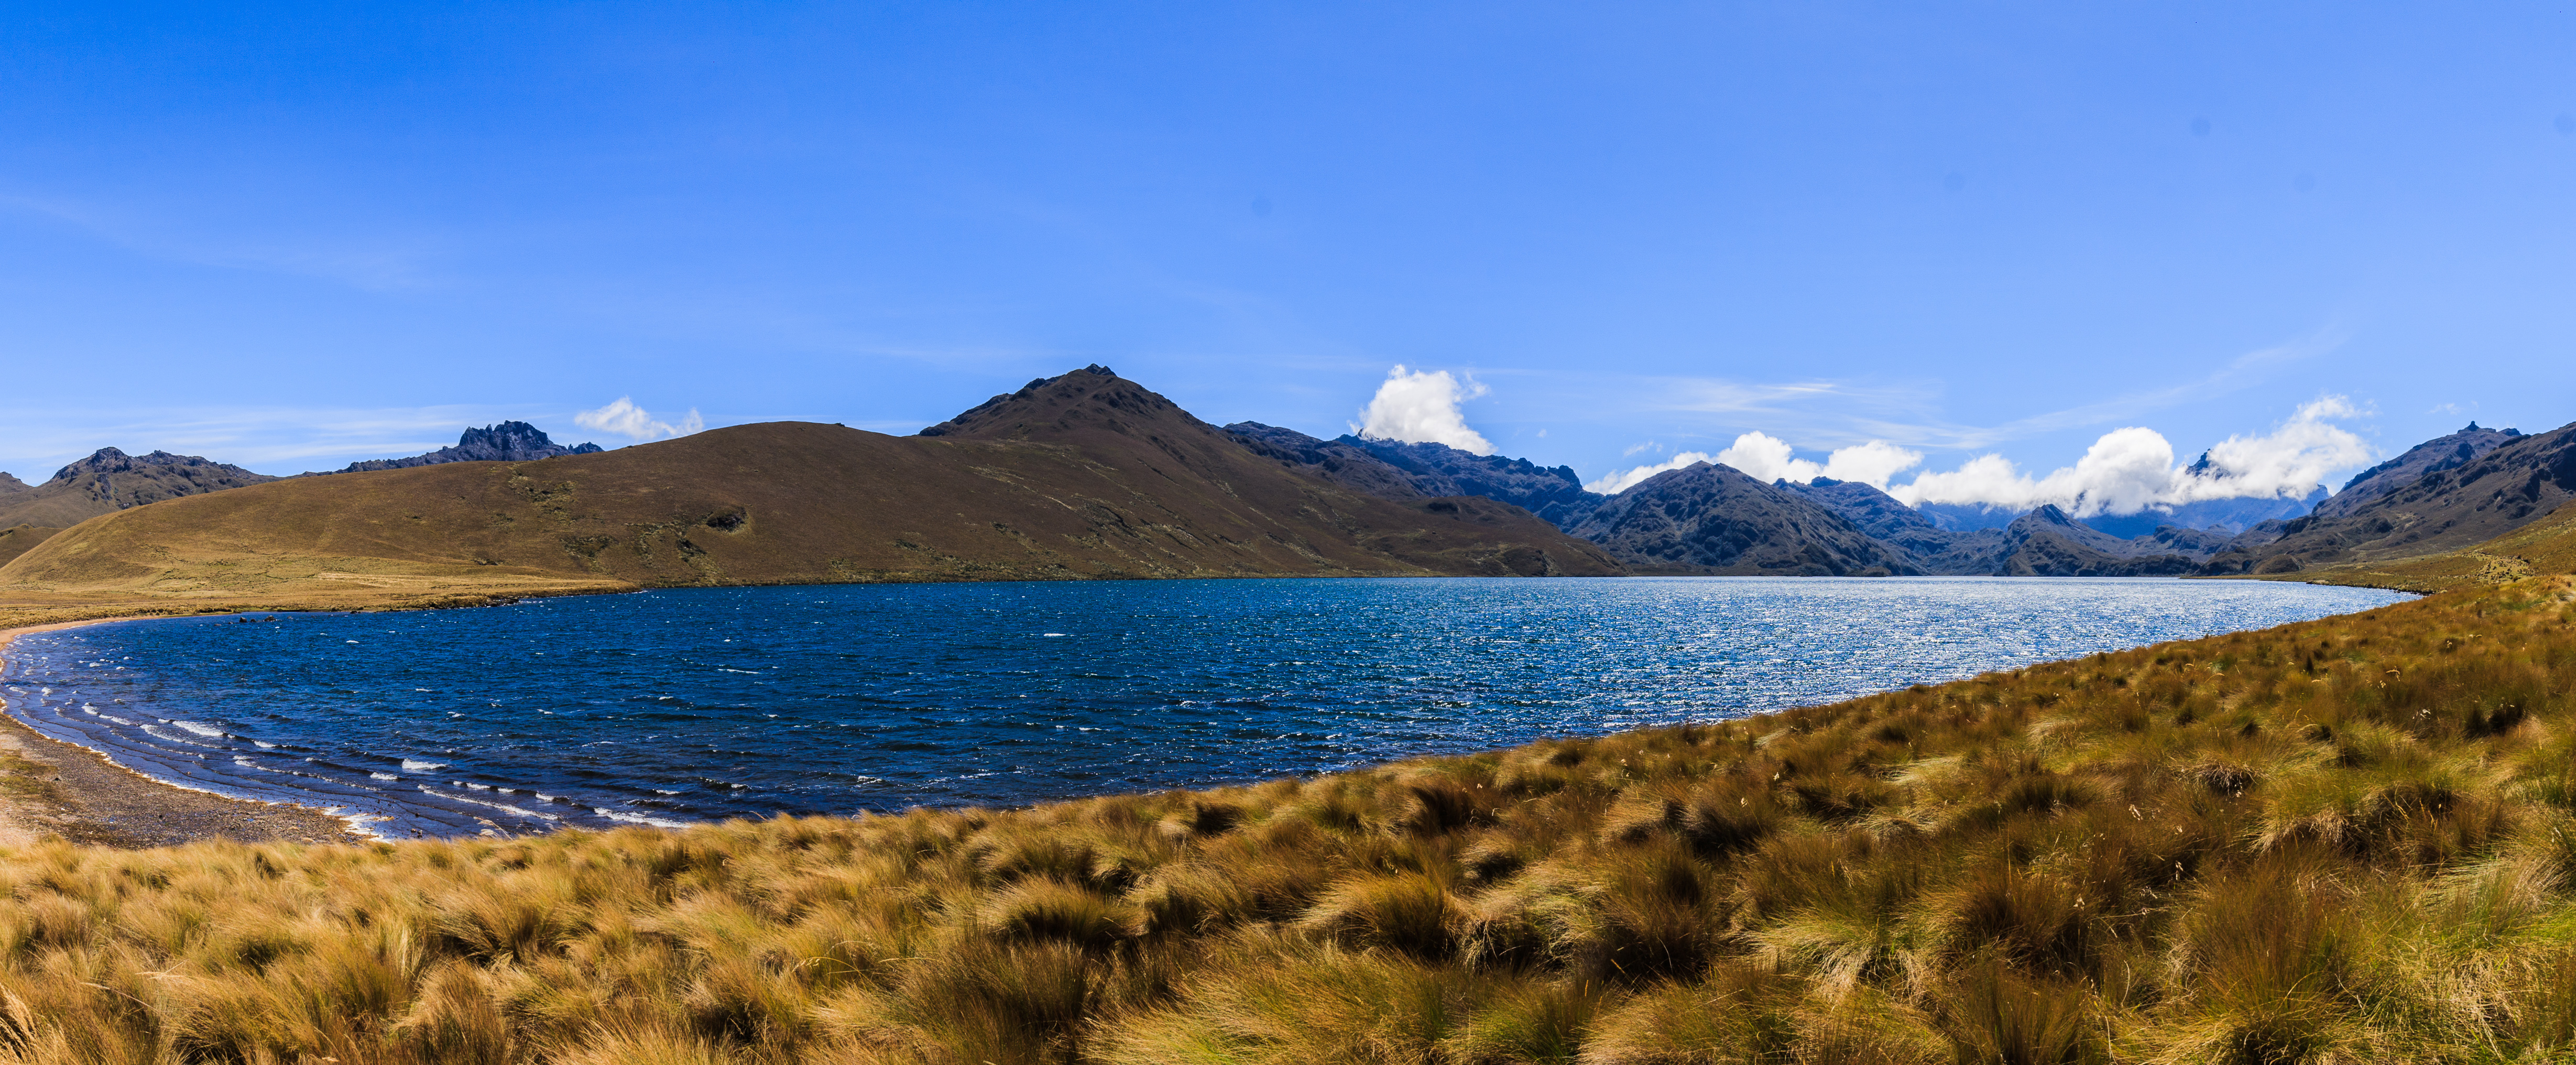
x=2132 y=469
x=2291 y=461
x=1764 y=457
x=1421 y=407
x=1617 y=481
x=626 y=419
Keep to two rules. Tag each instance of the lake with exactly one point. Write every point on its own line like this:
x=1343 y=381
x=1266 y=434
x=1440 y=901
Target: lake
x=674 y=706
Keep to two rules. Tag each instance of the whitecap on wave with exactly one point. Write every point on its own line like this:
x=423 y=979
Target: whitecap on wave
x=637 y=819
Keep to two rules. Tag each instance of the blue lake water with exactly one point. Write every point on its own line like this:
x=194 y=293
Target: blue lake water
x=674 y=706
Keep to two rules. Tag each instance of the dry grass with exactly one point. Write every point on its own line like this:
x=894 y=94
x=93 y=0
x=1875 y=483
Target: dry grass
x=2347 y=840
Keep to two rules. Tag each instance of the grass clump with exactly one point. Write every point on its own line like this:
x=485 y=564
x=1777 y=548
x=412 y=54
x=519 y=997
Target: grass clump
x=2344 y=840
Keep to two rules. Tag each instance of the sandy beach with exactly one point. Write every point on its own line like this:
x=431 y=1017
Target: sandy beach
x=51 y=788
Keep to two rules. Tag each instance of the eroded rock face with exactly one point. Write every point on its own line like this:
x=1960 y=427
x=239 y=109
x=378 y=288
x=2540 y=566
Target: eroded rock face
x=504 y=442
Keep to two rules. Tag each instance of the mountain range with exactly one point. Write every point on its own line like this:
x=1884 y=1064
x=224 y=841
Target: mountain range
x=1090 y=475
x=1085 y=475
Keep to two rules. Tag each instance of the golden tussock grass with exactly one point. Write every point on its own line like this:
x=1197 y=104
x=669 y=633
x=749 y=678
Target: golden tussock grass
x=2341 y=841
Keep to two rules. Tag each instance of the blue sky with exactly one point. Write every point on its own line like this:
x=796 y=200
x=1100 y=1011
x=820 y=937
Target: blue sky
x=295 y=236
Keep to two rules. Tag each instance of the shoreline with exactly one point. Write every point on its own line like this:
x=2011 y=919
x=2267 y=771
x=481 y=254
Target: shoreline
x=52 y=788
x=69 y=790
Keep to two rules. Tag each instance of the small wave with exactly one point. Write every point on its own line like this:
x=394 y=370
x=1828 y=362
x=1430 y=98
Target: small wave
x=425 y=789
x=263 y=746
x=384 y=776
x=1054 y=634
x=415 y=765
x=207 y=731
x=637 y=819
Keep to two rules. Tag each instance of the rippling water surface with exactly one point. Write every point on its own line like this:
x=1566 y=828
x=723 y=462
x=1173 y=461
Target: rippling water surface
x=674 y=706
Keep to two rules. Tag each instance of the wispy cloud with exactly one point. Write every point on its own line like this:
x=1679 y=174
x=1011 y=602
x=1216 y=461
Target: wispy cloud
x=379 y=262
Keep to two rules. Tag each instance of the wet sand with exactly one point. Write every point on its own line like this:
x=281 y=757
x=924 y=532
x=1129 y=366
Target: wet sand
x=48 y=787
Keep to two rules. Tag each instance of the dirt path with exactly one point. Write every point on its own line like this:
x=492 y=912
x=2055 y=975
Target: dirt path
x=52 y=788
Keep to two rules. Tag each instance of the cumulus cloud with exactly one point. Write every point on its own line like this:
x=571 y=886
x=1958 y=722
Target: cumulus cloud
x=2132 y=469
x=1764 y=457
x=626 y=419
x=1421 y=407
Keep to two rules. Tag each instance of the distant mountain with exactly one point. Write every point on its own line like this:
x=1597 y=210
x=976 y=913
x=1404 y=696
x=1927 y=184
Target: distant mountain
x=1967 y=517
x=1083 y=475
x=2455 y=506
x=1339 y=461
x=1927 y=546
x=2432 y=456
x=110 y=480
x=505 y=442
x=1387 y=468
x=10 y=484
x=1707 y=518
x=2044 y=542
x=2234 y=514
x=2047 y=543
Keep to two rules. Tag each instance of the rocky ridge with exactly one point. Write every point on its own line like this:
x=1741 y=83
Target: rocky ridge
x=109 y=480
x=502 y=442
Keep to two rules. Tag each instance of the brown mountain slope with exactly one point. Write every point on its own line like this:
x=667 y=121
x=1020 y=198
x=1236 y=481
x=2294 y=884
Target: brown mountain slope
x=2541 y=548
x=20 y=539
x=1084 y=475
x=1706 y=518
x=111 y=480
x=2444 y=510
x=2432 y=456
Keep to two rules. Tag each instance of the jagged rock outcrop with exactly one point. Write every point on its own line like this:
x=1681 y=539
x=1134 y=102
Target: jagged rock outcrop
x=110 y=480
x=1707 y=518
x=503 y=442
x=2515 y=483
x=2432 y=456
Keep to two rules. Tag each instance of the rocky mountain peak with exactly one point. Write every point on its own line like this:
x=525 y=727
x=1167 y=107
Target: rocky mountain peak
x=499 y=442
x=108 y=460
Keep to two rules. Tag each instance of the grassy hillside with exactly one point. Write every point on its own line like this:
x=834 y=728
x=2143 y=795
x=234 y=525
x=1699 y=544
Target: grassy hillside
x=2543 y=548
x=1086 y=475
x=20 y=539
x=2346 y=840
